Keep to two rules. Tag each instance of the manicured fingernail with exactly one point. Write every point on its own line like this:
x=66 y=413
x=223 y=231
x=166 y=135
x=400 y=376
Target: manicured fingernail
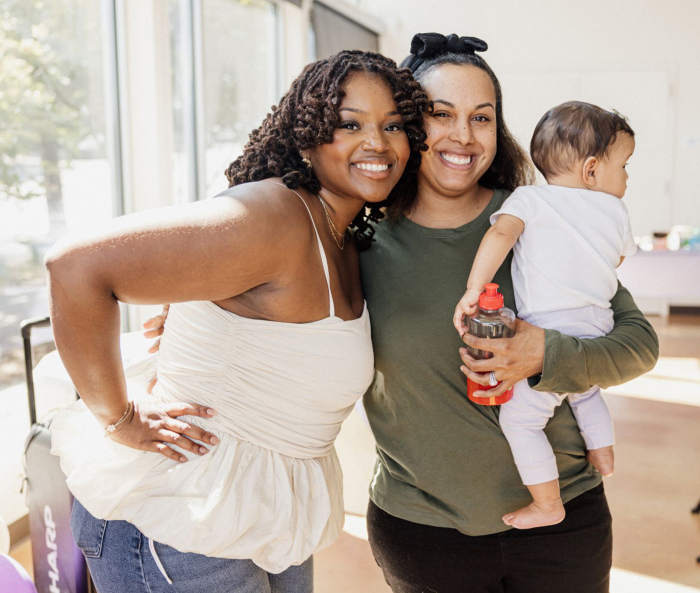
x=203 y=450
x=214 y=441
x=210 y=412
x=462 y=350
x=463 y=369
x=183 y=459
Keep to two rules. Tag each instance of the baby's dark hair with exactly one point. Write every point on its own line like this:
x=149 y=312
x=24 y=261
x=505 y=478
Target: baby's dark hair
x=572 y=132
x=308 y=115
x=511 y=167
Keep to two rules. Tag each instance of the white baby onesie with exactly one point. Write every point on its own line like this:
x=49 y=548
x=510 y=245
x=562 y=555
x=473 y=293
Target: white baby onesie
x=564 y=278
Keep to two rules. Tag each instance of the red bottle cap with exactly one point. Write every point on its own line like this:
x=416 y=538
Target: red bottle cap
x=491 y=300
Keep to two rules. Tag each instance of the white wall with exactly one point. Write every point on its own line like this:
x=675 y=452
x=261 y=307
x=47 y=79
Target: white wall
x=641 y=57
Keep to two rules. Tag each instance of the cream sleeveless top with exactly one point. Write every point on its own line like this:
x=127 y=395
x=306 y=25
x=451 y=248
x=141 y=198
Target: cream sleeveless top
x=271 y=490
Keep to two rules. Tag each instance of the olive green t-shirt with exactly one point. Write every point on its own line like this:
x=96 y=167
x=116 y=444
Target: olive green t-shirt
x=443 y=460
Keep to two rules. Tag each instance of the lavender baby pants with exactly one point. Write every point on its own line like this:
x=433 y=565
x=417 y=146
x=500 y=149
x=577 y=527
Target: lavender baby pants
x=524 y=417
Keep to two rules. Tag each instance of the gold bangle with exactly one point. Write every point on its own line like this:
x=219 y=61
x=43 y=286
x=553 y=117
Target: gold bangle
x=112 y=427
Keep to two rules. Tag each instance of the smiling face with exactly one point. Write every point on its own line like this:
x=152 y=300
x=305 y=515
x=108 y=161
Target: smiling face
x=611 y=175
x=370 y=148
x=461 y=130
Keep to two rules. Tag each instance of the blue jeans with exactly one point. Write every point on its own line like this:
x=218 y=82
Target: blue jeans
x=121 y=560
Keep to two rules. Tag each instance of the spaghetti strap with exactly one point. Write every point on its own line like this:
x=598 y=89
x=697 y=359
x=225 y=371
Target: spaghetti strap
x=324 y=261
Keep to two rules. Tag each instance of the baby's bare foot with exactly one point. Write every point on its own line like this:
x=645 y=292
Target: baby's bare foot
x=602 y=459
x=537 y=514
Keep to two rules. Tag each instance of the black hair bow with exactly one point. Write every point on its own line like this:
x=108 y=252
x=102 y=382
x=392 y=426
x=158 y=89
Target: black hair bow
x=427 y=45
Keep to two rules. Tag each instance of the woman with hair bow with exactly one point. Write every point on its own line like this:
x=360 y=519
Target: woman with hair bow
x=445 y=475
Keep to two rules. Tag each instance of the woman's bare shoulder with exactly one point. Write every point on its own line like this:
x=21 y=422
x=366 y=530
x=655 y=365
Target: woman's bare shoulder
x=268 y=201
x=269 y=193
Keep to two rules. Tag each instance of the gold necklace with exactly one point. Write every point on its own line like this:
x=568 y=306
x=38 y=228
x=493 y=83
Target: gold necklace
x=340 y=244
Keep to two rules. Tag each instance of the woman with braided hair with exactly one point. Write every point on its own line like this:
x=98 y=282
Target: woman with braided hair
x=306 y=119
x=225 y=477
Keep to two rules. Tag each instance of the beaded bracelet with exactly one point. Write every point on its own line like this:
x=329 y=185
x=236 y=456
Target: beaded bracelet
x=112 y=427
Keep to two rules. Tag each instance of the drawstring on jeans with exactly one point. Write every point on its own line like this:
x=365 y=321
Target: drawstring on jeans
x=152 y=548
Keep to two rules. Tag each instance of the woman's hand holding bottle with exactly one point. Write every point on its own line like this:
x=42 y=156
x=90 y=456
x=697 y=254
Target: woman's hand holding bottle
x=514 y=359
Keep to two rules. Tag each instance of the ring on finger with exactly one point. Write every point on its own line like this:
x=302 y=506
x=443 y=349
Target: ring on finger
x=492 y=379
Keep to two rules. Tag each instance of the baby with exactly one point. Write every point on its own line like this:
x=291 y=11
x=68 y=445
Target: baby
x=567 y=237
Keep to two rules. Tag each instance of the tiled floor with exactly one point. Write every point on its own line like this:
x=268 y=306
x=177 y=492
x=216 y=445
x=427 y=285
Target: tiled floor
x=656 y=483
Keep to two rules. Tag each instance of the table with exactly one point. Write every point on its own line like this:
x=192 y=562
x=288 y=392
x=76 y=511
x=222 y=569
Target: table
x=661 y=279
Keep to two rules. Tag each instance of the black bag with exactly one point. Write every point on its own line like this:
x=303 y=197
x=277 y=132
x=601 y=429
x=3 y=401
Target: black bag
x=59 y=565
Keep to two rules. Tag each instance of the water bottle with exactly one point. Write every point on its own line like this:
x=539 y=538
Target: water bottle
x=494 y=321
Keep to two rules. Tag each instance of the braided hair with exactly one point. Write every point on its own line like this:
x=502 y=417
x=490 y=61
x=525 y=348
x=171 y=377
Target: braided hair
x=511 y=166
x=308 y=115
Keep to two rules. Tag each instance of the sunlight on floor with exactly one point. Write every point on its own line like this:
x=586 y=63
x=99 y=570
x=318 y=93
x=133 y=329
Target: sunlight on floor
x=355 y=526
x=621 y=581
x=673 y=380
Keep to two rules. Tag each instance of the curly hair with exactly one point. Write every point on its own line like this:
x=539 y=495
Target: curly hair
x=308 y=115
x=511 y=166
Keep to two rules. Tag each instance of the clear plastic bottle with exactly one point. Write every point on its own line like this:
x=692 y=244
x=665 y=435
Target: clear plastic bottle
x=492 y=320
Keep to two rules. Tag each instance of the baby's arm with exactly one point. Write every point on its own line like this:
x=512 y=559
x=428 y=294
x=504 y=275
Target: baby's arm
x=495 y=246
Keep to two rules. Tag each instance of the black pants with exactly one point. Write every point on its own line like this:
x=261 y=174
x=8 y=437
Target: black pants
x=572 y=557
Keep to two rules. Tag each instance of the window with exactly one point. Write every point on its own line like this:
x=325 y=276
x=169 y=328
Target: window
x=240 y=78
x=56 y=172
x=225 y=73
x=184 y=175
x=334 y=32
